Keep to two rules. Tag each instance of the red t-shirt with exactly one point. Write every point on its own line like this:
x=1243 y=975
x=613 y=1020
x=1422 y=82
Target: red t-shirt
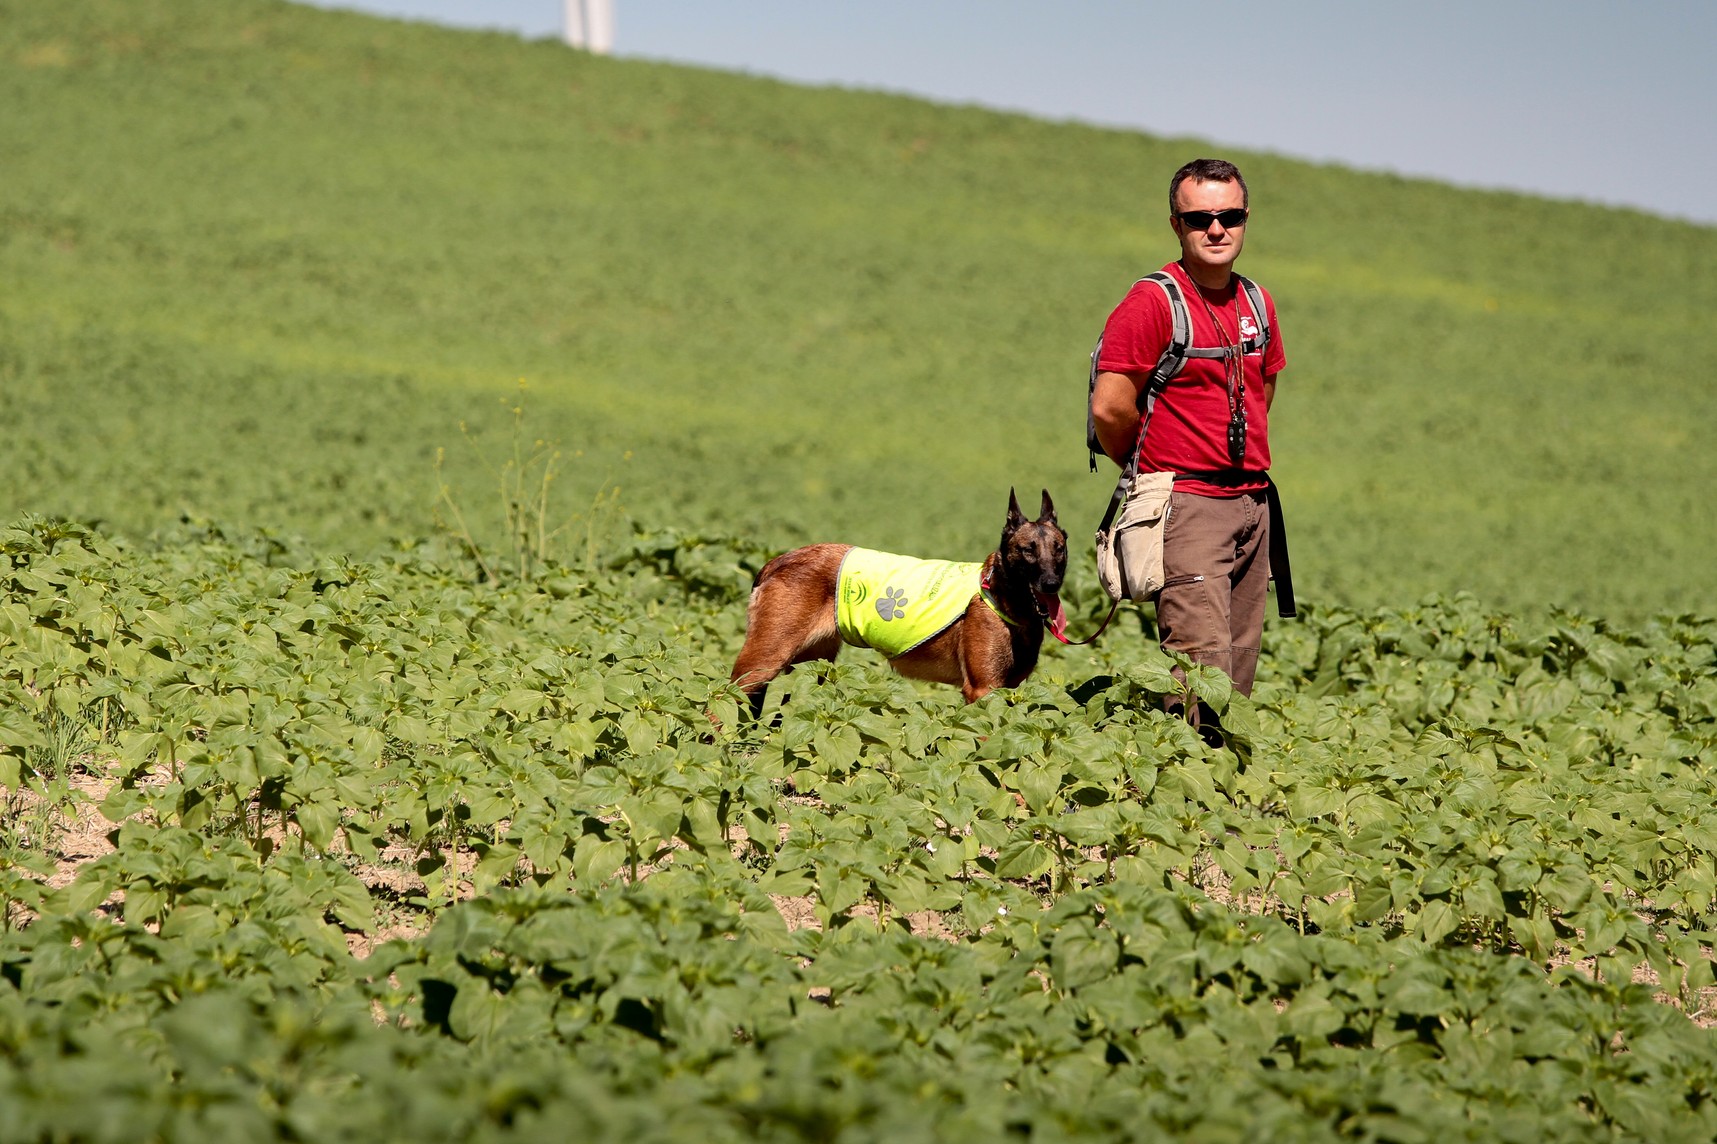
x=1188 y=432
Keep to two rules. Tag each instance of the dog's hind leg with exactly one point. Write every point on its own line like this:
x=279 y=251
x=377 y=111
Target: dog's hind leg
x=775 y=641
x=767 y=654
x=790 y=618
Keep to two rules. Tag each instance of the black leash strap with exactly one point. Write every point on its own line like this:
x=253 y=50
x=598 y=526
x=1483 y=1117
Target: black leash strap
x=1279 y=570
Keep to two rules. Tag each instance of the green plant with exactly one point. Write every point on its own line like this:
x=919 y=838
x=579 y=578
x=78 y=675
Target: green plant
x=67 y=742
x=1438 y=849
x=532 y=532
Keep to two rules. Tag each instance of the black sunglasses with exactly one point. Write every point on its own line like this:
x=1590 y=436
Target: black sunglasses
x=1201 y=220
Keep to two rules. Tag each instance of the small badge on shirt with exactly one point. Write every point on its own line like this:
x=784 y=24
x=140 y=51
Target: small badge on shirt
x=1248 y=327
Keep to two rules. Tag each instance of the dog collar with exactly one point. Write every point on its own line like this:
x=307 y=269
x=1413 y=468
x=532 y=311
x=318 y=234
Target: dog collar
x=986 y=590
x=1055 y=624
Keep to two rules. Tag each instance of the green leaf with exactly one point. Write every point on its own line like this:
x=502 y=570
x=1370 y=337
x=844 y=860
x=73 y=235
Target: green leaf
x=1312 y=1016
x=1482 y=899
x=1023 y=857
x=576 y=738
x=911 y=894
x=1372 y=900
x=1081 y=954
x=1416 y=991
x=1212 y=685
x=121 y=803
x=1567 y=889
x=318 y=820
x=838 y=888
x=494 y=865
x=1437 y=920
x=1038 y=784
x=594 y=861
x=477 y=1013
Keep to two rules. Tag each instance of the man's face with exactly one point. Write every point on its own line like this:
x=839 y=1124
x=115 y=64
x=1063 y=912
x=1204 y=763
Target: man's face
x=1217 y=246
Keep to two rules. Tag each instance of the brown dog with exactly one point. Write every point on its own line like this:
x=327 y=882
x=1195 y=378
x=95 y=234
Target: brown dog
x=985 y=634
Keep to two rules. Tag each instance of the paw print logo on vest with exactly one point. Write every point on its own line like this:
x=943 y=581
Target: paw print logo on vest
x=891 y=605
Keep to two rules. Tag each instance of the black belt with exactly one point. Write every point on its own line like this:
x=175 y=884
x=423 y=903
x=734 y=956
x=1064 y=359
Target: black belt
x=1227 y=478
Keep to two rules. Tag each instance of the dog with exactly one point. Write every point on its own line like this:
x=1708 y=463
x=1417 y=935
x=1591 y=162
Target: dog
x=975 y=626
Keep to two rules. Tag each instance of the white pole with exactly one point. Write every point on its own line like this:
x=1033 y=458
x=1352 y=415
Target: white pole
x=573 y=27
x=599 y=25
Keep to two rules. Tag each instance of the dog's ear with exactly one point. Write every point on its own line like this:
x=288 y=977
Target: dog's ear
x=1015 y=516
x=1047 y=515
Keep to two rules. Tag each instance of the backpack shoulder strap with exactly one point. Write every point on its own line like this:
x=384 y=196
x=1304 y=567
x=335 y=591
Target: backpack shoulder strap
x=1169 y=364
x=1180 y=331
x=1259 y=342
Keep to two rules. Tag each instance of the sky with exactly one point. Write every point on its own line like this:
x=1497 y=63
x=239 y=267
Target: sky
x=1606 y=102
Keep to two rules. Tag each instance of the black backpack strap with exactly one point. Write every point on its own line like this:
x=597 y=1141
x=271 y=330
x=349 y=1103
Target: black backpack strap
x=1091 y=443
x=1168 y=366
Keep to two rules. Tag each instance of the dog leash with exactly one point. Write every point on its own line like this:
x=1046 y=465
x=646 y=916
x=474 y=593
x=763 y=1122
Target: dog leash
x=1092 y=638
x=1056 y=629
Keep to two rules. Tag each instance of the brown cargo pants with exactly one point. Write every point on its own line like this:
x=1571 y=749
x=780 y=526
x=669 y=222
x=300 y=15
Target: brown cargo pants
x=1216 y=576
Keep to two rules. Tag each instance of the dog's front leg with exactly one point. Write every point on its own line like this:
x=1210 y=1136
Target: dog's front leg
x=985 y=654
x=974 y=692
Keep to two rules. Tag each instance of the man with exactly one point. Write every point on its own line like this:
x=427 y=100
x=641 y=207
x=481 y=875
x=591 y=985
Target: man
x=1209 y=426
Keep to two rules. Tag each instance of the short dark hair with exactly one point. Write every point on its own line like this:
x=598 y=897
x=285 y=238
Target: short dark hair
x=1209 y=171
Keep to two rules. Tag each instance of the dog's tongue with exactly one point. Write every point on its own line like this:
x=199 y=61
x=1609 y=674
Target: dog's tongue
x=1055 y=613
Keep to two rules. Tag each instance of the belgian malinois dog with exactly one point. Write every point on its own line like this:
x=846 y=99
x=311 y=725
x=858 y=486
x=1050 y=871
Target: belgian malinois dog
x=803 y=601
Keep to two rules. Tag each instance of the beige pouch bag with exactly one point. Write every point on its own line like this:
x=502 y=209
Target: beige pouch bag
x=1130 y=551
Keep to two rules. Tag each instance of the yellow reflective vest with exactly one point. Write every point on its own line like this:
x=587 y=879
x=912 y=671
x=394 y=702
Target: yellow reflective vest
x=894 y=603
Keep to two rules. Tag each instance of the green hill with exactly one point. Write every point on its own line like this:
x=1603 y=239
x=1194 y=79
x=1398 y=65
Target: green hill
x=259 y=261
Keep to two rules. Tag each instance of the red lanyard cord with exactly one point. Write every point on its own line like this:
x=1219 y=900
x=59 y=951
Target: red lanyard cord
x=1234 y=375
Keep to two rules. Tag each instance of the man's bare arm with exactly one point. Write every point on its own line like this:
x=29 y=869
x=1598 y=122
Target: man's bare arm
x=1115 y=412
